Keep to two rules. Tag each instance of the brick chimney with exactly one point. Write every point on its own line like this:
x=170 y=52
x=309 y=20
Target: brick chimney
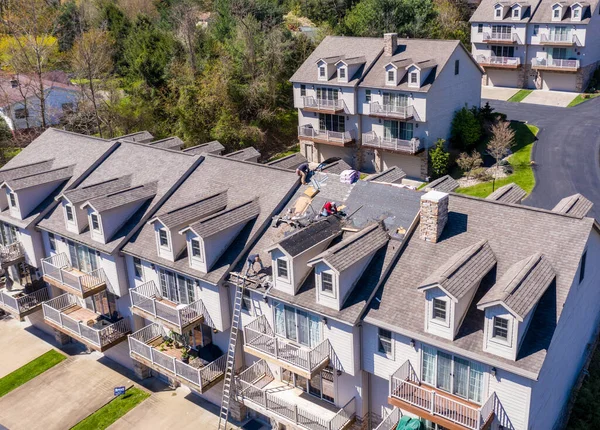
x=390 y=43
x=434 y=215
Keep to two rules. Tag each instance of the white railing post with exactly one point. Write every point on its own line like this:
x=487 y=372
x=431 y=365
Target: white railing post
x=154 y=306
x=174 y=366
x=276 y=348
x=296 y=414
x=432 y=408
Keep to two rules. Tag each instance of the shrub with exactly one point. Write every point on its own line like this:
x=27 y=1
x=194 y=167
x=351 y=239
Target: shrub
x=481 y=174
x=466 y=128
x=439 y=158
x=468 y=163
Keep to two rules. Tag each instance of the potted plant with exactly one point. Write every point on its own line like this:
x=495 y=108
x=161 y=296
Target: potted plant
x=185 y=356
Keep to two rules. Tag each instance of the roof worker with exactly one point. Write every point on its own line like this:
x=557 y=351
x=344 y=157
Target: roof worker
x=329 y=208
x=252 y=260
x=302 y=171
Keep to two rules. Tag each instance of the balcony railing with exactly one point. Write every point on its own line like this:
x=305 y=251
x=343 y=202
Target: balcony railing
x=309 y=102
x=60 y=273
x=501 y=37
x=555 y=64
x=406 y=387
x=140 y=348
x=390 y=421
x=559 y=38
x=148 y=299
x=24 y=304
x=259 y=337
x=411 y=146
x=11 y=254
x=393 y=111
x=337 y=137
x=499 y=61
x=58 y=313
x=251 y=389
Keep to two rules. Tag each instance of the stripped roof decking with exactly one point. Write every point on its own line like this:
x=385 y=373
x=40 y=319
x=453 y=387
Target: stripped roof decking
x=463 y=271
x=354 y=248
x=123 y=197
x=82 y=194
x=393 y=175
x=575 y=205
x=307 y=237
x=510 y=193
x=289 y=162
x=213 y=147
x=174 y=143
x=522 y=286
x=202 y=208
x=445 y=184
x=35 y=179
x=226 y=218
x=244 y=154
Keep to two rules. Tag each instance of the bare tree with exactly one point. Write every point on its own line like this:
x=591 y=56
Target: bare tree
x=503 y=138
x=92 y=62
x=185 y=16
x=469 y=162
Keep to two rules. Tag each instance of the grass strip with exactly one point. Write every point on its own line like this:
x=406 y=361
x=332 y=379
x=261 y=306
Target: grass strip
x=519 y=96
x=113 y=410
x=582 y=98
x=30 y=371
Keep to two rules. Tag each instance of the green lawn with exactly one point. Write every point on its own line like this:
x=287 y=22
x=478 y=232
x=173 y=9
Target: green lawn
x=30 y=371
x=113 y=410
x=580 y=99
x=520 y=161
x=520 y=96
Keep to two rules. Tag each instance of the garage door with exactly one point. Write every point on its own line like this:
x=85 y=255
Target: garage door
x=503 y=78
x=559 y=81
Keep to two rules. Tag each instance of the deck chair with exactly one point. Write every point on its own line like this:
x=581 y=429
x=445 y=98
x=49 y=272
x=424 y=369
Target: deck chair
x=414 y=424
x=403 y=422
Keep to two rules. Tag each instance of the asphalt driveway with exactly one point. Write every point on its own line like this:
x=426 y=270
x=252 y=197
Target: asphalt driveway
x=567 y=153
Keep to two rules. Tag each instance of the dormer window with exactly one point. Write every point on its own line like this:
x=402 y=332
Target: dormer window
x=163 y=238
x=321 y=72
x=499 y=13
x=515 y=13
x=414 y=78
x=13 y=199
x=282 y=269
x=556 y=13
x=439 y=310
x=327 y=283
x=196 y=250
x=95 y=222
x=576 y=13
x=500 y=330
x=69 y=213
x=390 y=77
x=342 y=73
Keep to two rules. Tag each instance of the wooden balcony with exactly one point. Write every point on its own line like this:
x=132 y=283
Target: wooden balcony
x=337 y=138
x=258 y=390
x=261 y=341
x=371 y=140
x=493 y=62
x=11 y=254
x=147 y=302
x=451 y=412
x=19 y=303
x=502 y=38
x=58 y=271
x=94 y=330
x=313 y=104
x=391 y=111
x=569 y=66
x=198 y=375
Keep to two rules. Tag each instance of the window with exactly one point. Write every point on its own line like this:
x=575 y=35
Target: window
x=536 y=30
x=456 y=67
x=196 y=251
x=69 y=212
x=52 y=241
x=556 y=13
x=21 y=113
x=138 y=270
x=8 y=234
x=163 y=239
x=499 y=13
x=500 y=328
x=296 y=325
x=503 y=51
x=176 y=287
x=342 y=73
x=384 y=341
x=479 y=28
x=327 y=282
x=246 y=301
x=390 y=76
x=282 y=268
x=582 y=267
x=13 y=200
x=439 y=310
x=95 y=222
x=82 y=257
x=413 y=78
x=368 y=96
x=576 y=13
x=321 y=71
x=302 y=90
x=332 y=122
x=516 y=13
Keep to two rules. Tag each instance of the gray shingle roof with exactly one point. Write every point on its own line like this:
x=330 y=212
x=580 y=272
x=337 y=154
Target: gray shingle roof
x=307 y=237
x=543 y=13
x=337 y=167
x=226 y=218
x=139 y=137
x=289 y=162
x=393 y=175
x=354 y=248
x=244 y=154
x=123 y=197
x=336 y=47
x=445 y=184
x=354 y=60
x=173 y=143
x=463 y=271
x=513 y=232
x=522 y=286
x=81 y=194
x=575 y=205
x=30 y=169
x=485 y=12
x=207 y=205
x=510 y=193
x=35 y=179
x=213 y=147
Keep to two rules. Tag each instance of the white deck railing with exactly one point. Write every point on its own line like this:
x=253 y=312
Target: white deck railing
x=250 y=387
x=259 y=335
x=10 y=253
x=501 y=37
x=390 y=421
x=24 y=303
x=138 y=346
x=557 y=64
x=323 y=104
x=59 y=269
x=558 y=38
x=391 y=110
x=326 y=135
x=412 y=146
x=499 y=61
x=100 y=337
x=147 y=298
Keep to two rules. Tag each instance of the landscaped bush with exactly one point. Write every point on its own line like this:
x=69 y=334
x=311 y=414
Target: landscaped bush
x=466 y=128
x=439 y=158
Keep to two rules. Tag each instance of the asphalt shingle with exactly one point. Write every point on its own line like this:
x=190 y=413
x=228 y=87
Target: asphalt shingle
x=139 y=137
x=575 y=205
x=173 y=143
x=187 y=214
x=82 y=194
x=226 y=218
x=35 y=179
x=445 y=184
x=289 y=162
x=213 y=147
x=245 y=154
x=393 y=175
x=123 y=197
x=510 y=193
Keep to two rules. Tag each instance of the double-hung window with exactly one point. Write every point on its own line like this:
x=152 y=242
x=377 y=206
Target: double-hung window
x=322 y=72
x=13 y=200
x=384 y=338
x=69 y=212
x=52 y=241
x=500 y=330
x=282 y=268
x=196 y=250
x=390 y=76
x=302 y=90
x=342 y=73
x=368 y=96
x=413 y=78
x=137 y=268
x=327 y=282
x=95 y=222
x=536 y=30
x=479 y=28
x=163 y=238
x=439 y=310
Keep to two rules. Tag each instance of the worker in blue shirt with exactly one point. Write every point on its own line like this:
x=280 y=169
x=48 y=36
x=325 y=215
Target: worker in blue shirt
x=251 y=261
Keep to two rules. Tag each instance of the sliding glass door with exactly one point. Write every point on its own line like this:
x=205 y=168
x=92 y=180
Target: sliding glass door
x=297 y=325
x=82 y=257
x=397 y=130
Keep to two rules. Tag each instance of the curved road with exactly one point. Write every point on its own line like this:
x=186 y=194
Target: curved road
x=567 y=153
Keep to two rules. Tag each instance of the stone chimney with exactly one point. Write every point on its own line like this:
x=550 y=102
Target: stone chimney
x=434 y=215
x=390 y=43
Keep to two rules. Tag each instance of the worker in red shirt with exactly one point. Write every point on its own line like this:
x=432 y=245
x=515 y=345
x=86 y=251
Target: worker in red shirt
x=329 y=208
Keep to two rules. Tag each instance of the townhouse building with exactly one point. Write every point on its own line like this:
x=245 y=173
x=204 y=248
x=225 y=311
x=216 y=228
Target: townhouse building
x=378 y=103
x=540 y=44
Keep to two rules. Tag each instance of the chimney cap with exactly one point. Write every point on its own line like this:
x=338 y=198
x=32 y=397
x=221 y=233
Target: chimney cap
x=390 y=34
x=434 y=196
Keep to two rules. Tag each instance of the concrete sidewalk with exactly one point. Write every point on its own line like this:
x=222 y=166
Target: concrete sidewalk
x=498 y=93
x=18 y=346
x=550 y=98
